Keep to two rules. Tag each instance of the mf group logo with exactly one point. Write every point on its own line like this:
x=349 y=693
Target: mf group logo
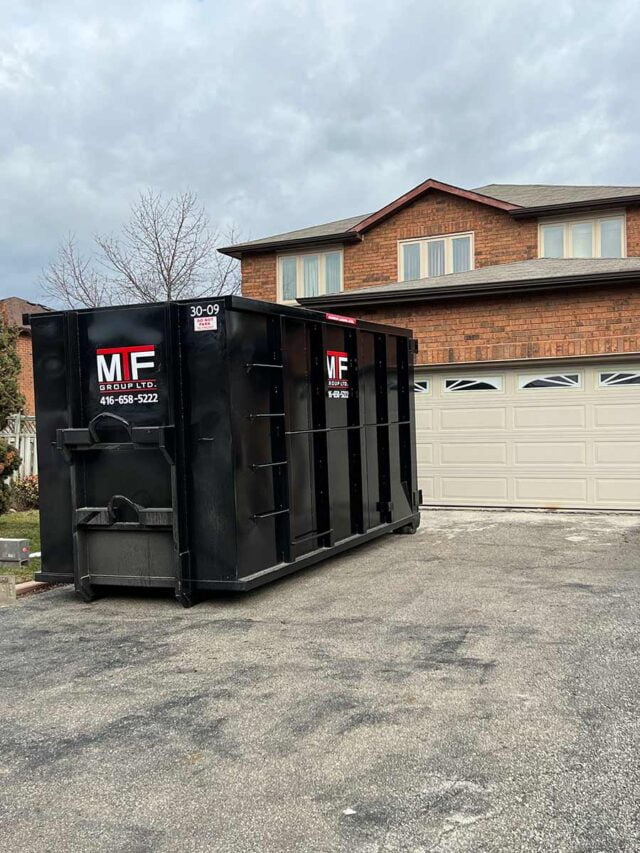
x=337 y=373
x=120 y=368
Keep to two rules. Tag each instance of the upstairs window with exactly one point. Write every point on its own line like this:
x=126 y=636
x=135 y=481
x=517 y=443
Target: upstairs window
x=584 y=238
x=311 y=274
x=435 y=256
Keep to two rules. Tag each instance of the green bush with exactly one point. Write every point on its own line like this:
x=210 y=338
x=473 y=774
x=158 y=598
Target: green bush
x=11 y=402
x=5 y=497
x=25 y=493
x=9 y=459
x=9 y=464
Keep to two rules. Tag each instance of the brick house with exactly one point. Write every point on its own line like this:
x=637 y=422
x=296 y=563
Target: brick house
x=526 y=304
x=13 y=308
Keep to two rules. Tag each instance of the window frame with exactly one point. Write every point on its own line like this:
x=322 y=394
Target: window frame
x=633 y=385
x=322 y=280
x=421 y=391
x=528 y=377
x=448 y=253
x=486 y=377
x=567 y=239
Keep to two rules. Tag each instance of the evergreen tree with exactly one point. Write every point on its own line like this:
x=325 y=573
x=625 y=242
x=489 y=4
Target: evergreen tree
x=11 y=403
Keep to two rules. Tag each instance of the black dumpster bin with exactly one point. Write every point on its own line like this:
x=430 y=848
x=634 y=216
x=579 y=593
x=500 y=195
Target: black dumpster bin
x=218 y=443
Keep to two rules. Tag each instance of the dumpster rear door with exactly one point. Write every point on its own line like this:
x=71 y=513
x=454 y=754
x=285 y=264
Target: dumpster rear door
x=121 y=445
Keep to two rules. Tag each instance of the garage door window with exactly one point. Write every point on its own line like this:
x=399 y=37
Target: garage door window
x=421 y=386
x=549 y=380
x=620 y=378
x=478 y=383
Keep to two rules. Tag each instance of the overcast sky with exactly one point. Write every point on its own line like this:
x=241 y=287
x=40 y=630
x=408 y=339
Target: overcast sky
x=284 y=113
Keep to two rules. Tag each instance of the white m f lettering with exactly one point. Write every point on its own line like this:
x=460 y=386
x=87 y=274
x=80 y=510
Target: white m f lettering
x=109 y=372
x=138 y=361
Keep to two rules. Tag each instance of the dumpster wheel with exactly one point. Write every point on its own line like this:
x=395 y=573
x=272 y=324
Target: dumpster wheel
x=86 y=591
x=407 y=529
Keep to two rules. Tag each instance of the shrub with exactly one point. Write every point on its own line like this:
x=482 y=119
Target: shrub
x=9 y=459
x=25 y=493
x=11 y=402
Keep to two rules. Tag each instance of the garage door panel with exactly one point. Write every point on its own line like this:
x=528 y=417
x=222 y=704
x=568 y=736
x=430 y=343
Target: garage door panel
x=473 y=419
x=624 y=415
x=550 y=489
x=427 y=484
x=617 y=452
x=489 y=488
x=550 y=453
x=549 y=417
x=573 y=446
x=618 y=490
x=425 y=454
x=424 y=420
x=423 y=438
x=473 y=453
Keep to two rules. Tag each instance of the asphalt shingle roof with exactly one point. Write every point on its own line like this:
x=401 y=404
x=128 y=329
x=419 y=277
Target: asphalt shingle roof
x=524 y=195
x=521 y=271
x=538 y=195
x=337 y=228
x=13 y=307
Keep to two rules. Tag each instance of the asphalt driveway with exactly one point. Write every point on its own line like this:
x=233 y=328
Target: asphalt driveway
x=471 y=688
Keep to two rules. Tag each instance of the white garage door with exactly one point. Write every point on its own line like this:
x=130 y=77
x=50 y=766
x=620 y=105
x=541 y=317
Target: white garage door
x=564 y=437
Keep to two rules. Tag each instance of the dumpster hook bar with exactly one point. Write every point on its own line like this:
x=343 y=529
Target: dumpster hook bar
x=250 y=365
x=270 y=514
x=255 y=467
x=253 y=417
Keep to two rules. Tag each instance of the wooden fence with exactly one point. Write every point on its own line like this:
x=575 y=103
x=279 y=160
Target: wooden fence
x=21 y=432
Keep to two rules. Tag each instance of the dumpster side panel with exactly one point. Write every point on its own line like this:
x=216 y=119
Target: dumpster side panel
x=50 y=363
x=257 y=424
x=210 y=500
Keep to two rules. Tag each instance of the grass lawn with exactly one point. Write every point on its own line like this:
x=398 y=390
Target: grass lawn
x=22 y=525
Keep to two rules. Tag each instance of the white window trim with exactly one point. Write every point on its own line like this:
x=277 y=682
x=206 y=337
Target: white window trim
x=493 y=377
x=299 y=256
x=448 y=252
x=617 y=369
x=527 y=377
x=426 y=379
x=568 y=221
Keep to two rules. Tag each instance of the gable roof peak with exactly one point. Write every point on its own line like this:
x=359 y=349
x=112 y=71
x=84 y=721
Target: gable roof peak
x=420 y=190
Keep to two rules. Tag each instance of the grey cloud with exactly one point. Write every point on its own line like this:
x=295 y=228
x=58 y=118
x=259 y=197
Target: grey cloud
x=282 y=113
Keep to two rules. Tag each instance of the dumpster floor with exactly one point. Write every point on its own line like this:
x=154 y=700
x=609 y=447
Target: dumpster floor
x=471 y=688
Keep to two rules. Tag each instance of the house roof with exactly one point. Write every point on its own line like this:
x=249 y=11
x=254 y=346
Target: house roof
x=332 y=230
x=13 y=307
x=543 y=195
x=537 y=274
x=519 y=200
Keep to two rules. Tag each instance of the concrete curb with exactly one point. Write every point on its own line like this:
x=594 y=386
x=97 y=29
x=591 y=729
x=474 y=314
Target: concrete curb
x=29 y=587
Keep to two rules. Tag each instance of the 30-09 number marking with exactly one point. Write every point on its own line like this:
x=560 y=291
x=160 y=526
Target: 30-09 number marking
x=210 y=310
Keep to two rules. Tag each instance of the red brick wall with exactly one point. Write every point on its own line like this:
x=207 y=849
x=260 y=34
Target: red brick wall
x=633 y=232
x=259 y=277
x=578 y=323
x=499 y=239
x=542 y=325
x=23 y=347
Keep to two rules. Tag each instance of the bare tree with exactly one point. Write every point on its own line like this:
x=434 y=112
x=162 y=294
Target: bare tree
x=165 y=251
x=225 y=272
x=71 y=279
